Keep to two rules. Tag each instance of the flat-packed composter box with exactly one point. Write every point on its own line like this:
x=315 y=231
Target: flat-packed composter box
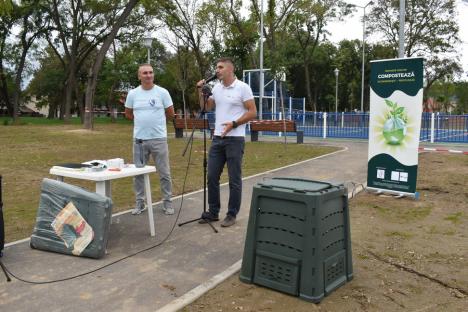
x=71 y=220
x=298 y=237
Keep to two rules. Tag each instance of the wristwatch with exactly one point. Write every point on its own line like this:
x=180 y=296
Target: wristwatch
x=234 y=124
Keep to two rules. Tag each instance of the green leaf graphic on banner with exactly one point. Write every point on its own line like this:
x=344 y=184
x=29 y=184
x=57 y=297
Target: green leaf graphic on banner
x=394 y=129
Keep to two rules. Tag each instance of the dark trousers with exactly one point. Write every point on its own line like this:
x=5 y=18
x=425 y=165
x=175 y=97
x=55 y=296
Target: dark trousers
x=228 y=150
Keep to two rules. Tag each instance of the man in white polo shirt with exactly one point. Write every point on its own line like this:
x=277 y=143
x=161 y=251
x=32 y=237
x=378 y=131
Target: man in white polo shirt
x=235 y=106
x=148 y=106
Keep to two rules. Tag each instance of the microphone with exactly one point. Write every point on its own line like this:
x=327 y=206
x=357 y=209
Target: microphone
x=211 y=78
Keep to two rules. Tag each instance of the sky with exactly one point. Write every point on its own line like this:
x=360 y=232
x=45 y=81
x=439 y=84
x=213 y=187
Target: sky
x=354 y=29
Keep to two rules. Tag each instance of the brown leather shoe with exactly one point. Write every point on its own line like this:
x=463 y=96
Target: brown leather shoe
x=228 y=221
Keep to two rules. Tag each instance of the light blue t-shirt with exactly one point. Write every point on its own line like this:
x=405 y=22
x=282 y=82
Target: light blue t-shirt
x=149 y=114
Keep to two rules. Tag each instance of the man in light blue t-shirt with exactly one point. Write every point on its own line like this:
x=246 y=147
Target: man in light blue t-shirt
x=148 y=106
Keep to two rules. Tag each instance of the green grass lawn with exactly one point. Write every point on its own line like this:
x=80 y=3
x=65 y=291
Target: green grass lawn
x=28 y=151
x=45 y=121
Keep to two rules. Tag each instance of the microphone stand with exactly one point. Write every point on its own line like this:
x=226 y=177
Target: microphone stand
x=202 y=115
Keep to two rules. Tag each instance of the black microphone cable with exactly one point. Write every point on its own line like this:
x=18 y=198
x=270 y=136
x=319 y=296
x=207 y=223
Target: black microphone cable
x=7 y=271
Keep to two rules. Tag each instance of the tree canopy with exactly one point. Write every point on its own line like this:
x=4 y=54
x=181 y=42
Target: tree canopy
x=431 y=31
x=78 y=55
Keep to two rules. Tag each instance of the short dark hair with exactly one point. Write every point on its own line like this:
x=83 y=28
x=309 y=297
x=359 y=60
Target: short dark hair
x=143 y=64
x=226 y=60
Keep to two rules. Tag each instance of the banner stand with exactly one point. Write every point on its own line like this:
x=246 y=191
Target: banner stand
x=396 y=98
x=378 y=191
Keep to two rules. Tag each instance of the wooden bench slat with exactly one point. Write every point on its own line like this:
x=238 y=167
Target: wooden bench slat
x=273 y=125
x=192 y=123
x=276 y=126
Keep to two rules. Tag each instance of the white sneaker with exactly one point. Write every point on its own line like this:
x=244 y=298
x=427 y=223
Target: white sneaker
x=138 y=209
x=168 y=211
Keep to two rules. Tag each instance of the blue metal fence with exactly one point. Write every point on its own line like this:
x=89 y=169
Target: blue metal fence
x=425 y=134
x=451 y=128
x=435 y=127
x=348 y=125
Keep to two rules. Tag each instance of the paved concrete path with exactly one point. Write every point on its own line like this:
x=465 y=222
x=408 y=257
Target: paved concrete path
x=152 y=279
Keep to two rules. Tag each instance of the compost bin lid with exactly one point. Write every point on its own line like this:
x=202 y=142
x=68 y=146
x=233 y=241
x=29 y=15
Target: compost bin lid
x=296 y=184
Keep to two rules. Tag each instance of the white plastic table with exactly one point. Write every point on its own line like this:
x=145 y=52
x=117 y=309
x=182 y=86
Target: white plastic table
x=103 y=179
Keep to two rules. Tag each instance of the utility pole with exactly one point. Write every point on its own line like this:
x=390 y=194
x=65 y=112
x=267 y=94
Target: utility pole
x=363 y=51
x=262 y=82
x=401 y=46
x=337 y=72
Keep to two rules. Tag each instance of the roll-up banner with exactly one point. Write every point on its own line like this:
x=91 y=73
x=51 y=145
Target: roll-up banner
x=396 y=96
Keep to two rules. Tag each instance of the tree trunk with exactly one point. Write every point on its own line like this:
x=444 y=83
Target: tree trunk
x=4 y=91
x=52 y=111
x=111 y=101
x=61 y=108
x=307 y=85
x=79 y=102
x=316 y=97
x=3 y=79
x=17 y=91
x=70 y=86
x=94 y=70
x=200 y=61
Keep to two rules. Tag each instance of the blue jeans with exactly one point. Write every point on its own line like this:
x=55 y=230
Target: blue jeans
x=228 y=150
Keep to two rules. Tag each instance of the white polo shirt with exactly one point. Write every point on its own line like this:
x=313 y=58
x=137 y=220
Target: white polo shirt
x=229 y=103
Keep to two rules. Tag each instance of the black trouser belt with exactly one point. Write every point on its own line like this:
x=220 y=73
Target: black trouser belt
x=228 y=137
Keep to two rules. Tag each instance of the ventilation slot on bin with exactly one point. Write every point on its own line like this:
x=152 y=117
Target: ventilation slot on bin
x=336 y=213
x=280 y=229
x=335 y=271
x=277 y=272
x=281 y=215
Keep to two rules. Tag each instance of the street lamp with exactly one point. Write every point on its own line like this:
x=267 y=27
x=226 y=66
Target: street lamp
x=337 y=72
x=147 y=42
x=363 y=49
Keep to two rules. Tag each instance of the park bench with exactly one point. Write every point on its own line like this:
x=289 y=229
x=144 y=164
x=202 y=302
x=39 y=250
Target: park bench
x=190 y=123
x=274 y=126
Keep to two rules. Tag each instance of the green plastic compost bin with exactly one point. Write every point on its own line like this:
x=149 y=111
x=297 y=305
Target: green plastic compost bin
x=298 y=238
